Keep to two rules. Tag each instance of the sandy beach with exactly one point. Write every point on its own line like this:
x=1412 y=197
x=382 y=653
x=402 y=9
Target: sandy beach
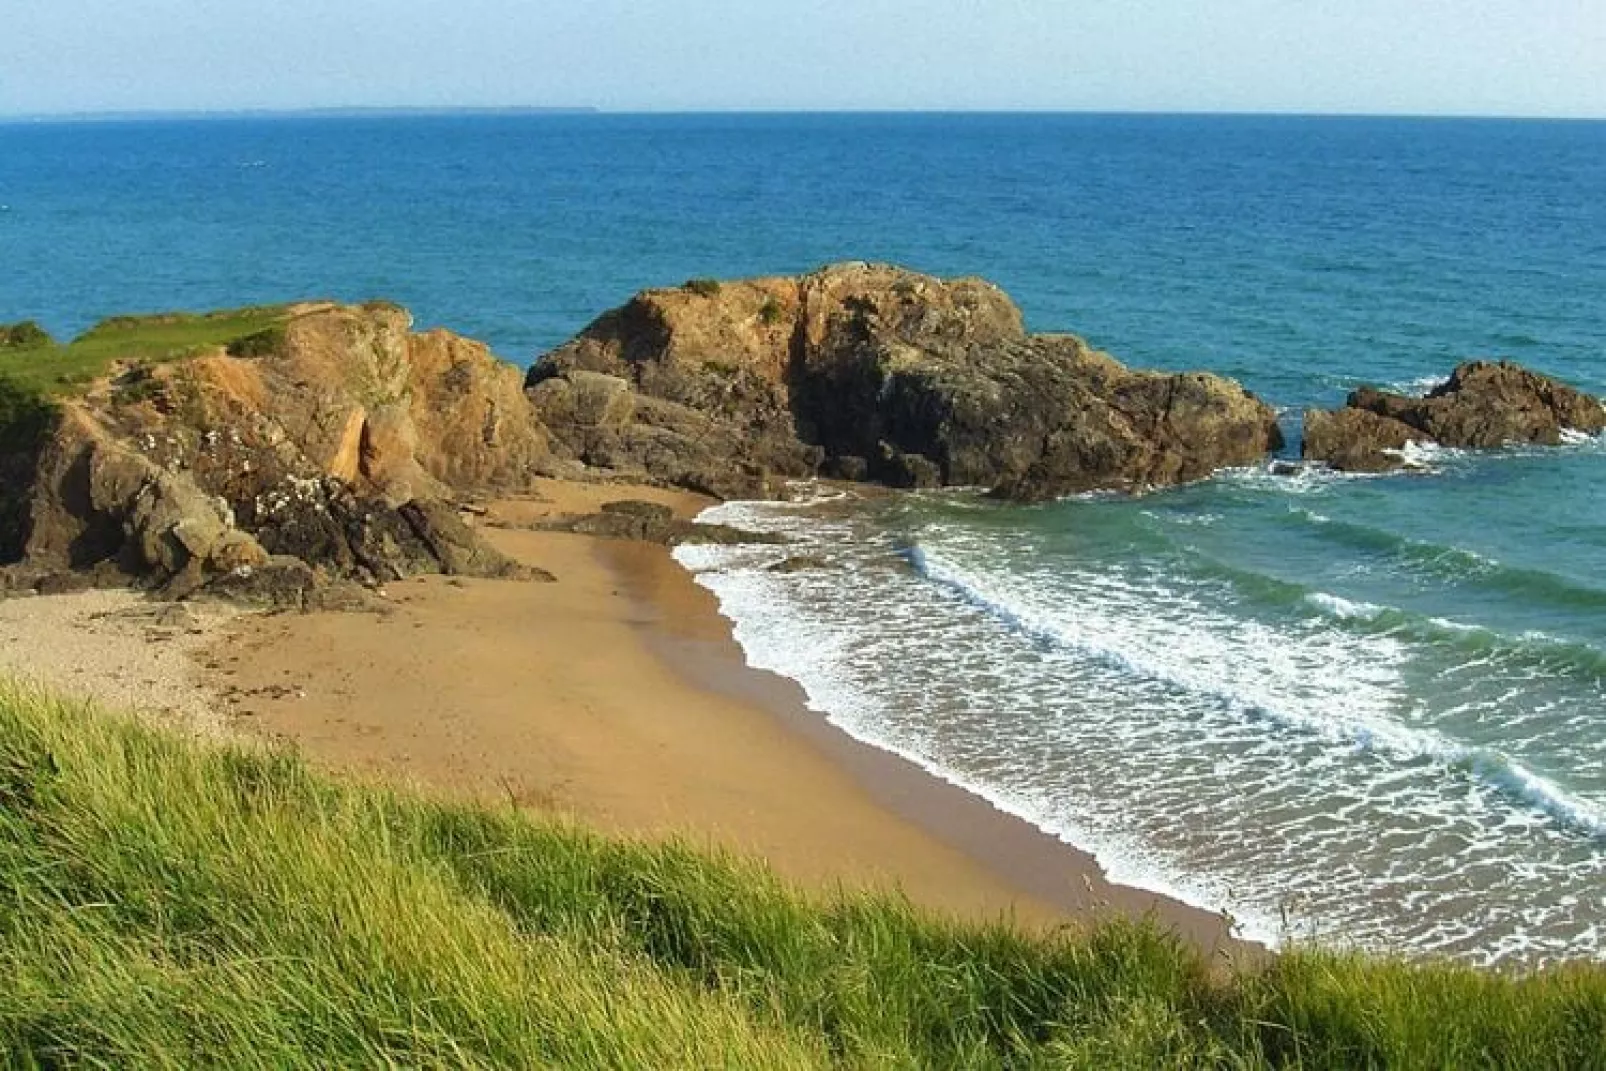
x=616 y=696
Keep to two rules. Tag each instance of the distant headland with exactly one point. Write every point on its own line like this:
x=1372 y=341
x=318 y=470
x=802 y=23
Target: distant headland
x=355 y=112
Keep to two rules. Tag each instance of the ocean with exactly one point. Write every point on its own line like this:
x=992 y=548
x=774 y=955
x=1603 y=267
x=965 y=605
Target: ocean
x=1367 y=710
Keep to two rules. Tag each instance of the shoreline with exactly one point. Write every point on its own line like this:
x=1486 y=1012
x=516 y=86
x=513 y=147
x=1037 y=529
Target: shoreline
x=703 y=651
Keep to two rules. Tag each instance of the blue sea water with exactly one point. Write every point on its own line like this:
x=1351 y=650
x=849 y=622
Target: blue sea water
x=1366 y=708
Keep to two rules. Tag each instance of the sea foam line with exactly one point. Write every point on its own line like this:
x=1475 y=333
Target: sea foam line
x=1123 y=862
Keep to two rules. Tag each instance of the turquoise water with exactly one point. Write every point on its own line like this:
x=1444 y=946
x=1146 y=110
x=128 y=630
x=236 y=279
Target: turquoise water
x=1368 y=708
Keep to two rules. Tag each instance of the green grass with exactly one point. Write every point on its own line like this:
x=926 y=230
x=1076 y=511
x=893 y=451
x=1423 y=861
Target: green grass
x=39 y=365
x=165 y=903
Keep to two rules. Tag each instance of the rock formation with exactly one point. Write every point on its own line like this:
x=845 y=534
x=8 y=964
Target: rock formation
x=331 y=445
x=652 y=522
x=1482 y=404
x=872 y=372
x=327 y=441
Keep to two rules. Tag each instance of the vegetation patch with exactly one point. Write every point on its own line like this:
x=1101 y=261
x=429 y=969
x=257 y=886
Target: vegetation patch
x=264 y=343
x=54 y=369
x=168 y=903
x=703 y=287
x=24 y=335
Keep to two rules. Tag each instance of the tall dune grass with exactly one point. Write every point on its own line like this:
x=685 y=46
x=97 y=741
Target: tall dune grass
x=166 y=903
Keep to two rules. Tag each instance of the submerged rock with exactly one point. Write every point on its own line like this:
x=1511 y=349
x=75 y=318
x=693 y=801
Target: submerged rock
x=799 y=563
x=651 y=522
x=1483 y=404
x=870 y=371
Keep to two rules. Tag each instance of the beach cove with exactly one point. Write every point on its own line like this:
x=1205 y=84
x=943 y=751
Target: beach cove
x=614 y=697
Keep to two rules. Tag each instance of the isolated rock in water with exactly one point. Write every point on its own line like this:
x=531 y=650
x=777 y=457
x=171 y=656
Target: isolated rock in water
x=1357 y=440
x=1482 y=404
x=870 y=371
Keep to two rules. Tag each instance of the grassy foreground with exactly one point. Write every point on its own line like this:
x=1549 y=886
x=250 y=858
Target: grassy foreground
x=172 y=904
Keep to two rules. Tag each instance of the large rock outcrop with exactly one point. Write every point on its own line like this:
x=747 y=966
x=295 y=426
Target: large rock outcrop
x=869 y=371
x=1483 y=404
x=334 y=440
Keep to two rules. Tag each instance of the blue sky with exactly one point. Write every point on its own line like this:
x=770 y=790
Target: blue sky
x=1481 y=57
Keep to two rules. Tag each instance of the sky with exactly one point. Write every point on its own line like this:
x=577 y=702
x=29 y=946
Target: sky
x=1461 y=57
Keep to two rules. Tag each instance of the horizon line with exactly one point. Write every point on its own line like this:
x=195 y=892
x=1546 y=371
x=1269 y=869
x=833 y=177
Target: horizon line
x=381 y=111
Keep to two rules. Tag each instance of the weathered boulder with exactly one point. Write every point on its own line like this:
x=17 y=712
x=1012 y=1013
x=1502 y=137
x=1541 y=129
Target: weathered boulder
x=1483 y=404
x=870 y=371
x=27 y=423
x=346 y=392
x=458 y=548
x=286 y=583
x=97 y=501
x=324 y=522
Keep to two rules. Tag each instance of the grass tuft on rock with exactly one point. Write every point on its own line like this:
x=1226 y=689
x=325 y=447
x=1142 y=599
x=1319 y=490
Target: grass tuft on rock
x=172 y=903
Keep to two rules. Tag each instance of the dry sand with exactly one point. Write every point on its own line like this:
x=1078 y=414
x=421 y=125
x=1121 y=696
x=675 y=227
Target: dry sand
x=116 y=649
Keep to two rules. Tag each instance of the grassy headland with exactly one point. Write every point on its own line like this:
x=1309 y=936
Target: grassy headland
x=36 y=363
x=172 y=903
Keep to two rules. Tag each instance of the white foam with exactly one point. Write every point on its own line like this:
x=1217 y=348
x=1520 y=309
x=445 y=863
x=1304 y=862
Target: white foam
x=1576 y=437
x=1343 y=608
x=1361 y=703
x=1425 y=456
x=1128 y=717
x=1309 y=478
x=776 y=646
x=1245 y=665
x=1415 y=388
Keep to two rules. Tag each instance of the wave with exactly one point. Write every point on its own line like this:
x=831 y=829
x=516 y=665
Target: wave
x=1536 y=649
x=1304 y=478
x=1417 y=387
x=1456 y=564
x=748 y=598
x=1369 y=732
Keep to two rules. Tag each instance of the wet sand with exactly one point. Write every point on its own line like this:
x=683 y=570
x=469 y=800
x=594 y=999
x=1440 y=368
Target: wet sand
x=616 y=696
